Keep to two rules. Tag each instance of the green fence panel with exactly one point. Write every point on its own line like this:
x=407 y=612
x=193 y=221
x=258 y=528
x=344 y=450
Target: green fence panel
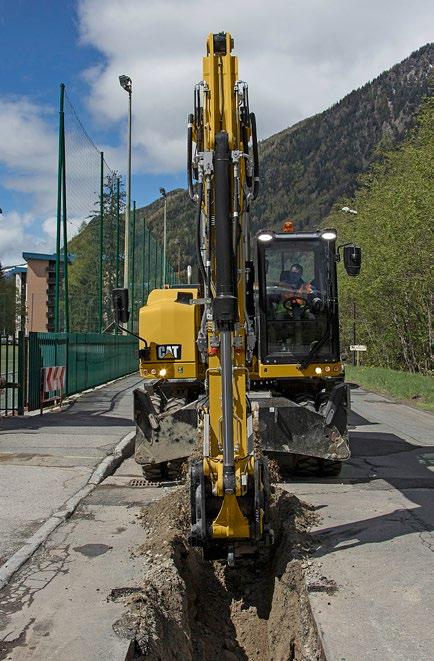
x=90 y=359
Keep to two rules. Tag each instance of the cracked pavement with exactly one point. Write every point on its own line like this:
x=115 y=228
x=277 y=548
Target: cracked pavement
x=62 y=604
x=46 y=459
x=375 y=537
x=371 y=575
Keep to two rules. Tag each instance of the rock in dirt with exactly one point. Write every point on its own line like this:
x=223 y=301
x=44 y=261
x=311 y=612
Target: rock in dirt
x=189 y=608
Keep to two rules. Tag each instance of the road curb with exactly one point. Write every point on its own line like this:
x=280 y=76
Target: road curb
x=106 y=467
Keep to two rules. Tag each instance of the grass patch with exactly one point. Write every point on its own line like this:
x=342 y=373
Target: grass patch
x=416 y=389
x=7 y=355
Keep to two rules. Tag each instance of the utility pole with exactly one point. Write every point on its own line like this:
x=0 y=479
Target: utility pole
x=133 y=269
x=354 y=331
x=164 y=196
x=127 y=84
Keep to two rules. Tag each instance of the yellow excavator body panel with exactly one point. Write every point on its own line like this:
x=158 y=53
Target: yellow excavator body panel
x=169 y=324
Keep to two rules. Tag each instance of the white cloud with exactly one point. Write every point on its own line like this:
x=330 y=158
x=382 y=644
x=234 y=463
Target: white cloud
x=28 y=156
x=299 y=57
x=28 y=152
x=17 y=235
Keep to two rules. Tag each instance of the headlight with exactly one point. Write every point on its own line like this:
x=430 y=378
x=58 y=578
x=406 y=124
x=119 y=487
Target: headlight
x=328 y=235
x=265 y=236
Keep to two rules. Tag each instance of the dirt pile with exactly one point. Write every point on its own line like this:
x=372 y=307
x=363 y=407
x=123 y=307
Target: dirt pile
x=188 y=608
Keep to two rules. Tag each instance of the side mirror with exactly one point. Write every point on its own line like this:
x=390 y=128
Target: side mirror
x=352 y=259
x=120 y=305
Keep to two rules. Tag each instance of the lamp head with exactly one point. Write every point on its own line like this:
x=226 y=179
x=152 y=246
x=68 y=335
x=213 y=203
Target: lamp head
x=126 y=83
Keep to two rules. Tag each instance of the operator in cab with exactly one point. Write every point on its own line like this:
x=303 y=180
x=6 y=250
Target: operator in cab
x=299 y=299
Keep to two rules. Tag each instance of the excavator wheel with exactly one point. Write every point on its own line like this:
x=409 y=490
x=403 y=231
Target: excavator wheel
x=152 y=472
x=316 y=467
x=166 y=471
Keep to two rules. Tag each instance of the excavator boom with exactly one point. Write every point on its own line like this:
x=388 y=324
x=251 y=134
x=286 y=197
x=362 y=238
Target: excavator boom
x=229 y=485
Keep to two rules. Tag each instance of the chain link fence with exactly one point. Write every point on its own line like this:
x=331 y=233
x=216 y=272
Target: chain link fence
x=91 y=235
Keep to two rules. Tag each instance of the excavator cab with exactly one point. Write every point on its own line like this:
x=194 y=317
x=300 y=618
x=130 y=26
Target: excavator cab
x=298 y=313
x=298 y=376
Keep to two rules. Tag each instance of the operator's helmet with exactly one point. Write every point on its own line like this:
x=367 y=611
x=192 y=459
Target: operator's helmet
x=297 y=268
x=293 y=276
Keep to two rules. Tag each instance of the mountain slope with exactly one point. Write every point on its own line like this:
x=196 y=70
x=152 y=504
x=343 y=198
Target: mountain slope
x=307 y=167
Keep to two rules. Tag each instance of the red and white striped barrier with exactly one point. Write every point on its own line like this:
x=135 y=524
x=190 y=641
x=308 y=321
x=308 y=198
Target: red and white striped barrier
x=52 y=381
x=53 y=378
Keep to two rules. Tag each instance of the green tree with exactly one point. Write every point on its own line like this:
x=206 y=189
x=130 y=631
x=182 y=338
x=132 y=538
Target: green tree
x=84 y=269
x=393 y=225
x=8 y=303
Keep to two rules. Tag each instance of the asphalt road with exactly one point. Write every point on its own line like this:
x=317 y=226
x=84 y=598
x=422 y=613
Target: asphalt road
x=46 y=459
x=66 y=600
x=372 y=578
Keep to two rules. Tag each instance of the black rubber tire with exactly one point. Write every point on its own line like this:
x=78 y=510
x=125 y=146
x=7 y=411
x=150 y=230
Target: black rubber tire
x=153 y=472
x=166 y=471
x=316 y=467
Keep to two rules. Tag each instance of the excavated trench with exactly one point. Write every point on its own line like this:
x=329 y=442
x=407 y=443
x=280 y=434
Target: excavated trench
x=188 y=608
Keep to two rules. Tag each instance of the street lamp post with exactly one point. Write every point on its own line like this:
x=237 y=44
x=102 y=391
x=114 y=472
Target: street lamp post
x=178 y=244
x=164 y=196
x=127 y=84
x=354 y=213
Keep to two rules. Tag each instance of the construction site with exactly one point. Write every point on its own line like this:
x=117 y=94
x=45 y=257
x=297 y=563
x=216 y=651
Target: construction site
x=194 y=463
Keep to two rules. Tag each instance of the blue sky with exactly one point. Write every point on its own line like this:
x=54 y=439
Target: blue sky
x=41 y=48
x=299 y=57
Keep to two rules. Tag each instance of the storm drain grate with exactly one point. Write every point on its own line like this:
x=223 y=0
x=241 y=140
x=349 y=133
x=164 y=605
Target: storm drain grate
x=141 y=483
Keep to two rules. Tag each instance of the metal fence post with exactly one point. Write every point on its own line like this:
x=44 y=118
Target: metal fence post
x=155 y=263
x=149 y=261
x=101 y=241
x=65 y=242
x=143 y=261
x=21 y=372
x=133 y=265
x=162 y=269
x=59 y=203
x=117 y=228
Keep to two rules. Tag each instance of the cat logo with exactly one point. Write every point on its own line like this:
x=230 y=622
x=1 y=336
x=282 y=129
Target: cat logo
x=168 y=351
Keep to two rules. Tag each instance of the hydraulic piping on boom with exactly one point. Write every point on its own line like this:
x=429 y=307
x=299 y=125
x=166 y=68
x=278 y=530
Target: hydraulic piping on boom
x=229 y=484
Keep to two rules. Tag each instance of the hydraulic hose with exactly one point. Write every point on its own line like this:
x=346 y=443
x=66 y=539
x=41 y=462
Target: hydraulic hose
x=246 y=151
x=190 y=157
x=255 y=156
x=198 y=234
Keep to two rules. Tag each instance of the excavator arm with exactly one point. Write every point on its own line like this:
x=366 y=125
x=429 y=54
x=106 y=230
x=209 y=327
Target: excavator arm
x=229 y=483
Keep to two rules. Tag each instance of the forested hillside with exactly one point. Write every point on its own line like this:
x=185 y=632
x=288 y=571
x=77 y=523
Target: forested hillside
x=394 y=227
x=306 y=168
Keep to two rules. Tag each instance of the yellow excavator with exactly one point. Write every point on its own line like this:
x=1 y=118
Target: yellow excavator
x=244 y=365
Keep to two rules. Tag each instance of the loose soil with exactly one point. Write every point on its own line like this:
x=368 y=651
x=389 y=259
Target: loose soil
x=191 y=609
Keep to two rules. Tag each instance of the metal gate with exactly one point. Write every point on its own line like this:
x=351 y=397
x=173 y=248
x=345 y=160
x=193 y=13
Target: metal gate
x=12 y=374
x=90 y=359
